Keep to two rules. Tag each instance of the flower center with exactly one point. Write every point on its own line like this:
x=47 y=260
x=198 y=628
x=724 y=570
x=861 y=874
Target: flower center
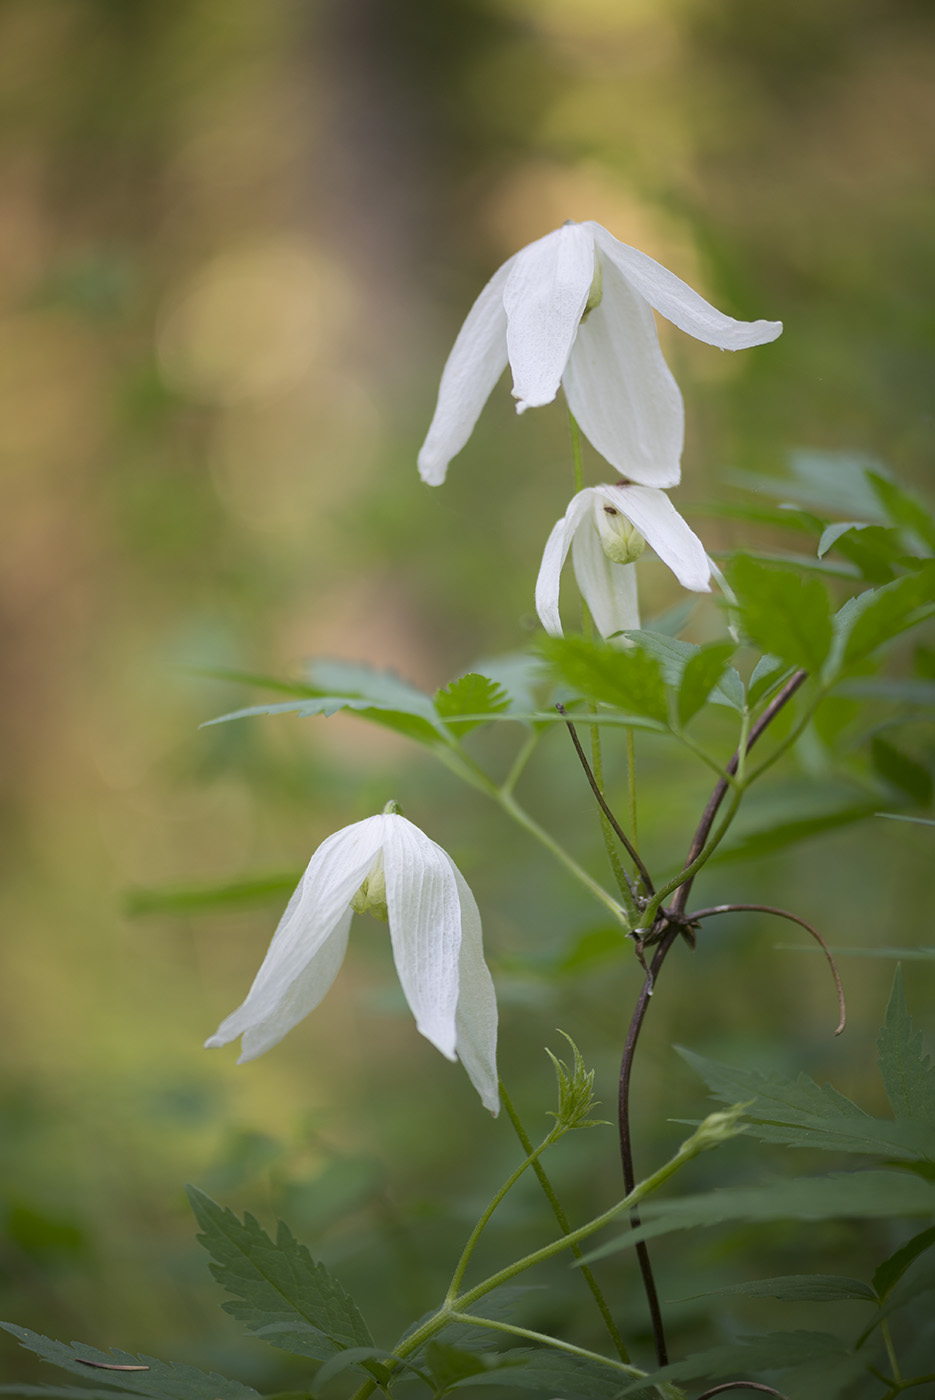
x=620 y=539
x=371 y=897
x=596 y=293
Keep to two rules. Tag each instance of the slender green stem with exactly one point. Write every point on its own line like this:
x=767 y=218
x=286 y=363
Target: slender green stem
x=545 y=1340
x=790 y=739
x=519 y=763
x=702 y=858
x=576 y=451
x=890 y=1351
x=700 y=753
x=564 y=1226
x=532 y=1154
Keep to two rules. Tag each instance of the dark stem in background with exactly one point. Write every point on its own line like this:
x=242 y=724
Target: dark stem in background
x=669 y=935
x=602 y=803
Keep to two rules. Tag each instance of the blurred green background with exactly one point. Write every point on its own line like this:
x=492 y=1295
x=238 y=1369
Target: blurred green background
x=236 y=240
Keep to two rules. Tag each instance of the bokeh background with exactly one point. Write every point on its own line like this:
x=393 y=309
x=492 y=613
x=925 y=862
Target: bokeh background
x=236 y=241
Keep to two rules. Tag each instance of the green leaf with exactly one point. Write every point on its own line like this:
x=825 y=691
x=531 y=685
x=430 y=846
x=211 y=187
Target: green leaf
x=768 y=674
x=162 y=1380
x=892 y=1269
x=749 y=842
x=286 y=1297
x=878 y=615
x=901 y=771
x=908 y=1073
x=834 y=481
x=204 y=898
x=863 y=1195
x=674 y=655
x=801 y=1113
x=702 y=673
x=798 y=1288
x=906 y=691
x=777 y=1351
x=470 y=695
x=832 y=533
x=629 y=679
x=783 y=613
x=903 y=508
x=551 y=1373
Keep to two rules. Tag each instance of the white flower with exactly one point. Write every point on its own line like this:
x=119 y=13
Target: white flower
x=576 y=308
x=605 y=527
x=386 y=865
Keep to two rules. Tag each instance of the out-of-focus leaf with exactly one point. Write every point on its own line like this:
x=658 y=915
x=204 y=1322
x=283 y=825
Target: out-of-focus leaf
x=863 y=1195
x=892 y=1269
x=903 y=508
x=804 y=563
x=674 y=656
x=161 y=1380
x=777 y=1351
x=908 y=1073
x=754 y=844
x=631 y=680
x=551 y=1373
x=906 y=691
x=832 y=533
x=283 y=1294
x=836 y=481
x=783 y=614
x=204 y=898
x=901 y=817
x=801 y=1113
x=798 y=1288
x=787 y=517
x=413 y=726
x=470 y=695
x=877 y=552
x=876 y=616
x=520 y=673
x=767 y=675
x=901 y=771
x=702 y=673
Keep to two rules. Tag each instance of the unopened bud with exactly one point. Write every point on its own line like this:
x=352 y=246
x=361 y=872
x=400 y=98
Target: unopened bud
x=596 y=294
x=621 y=541
x=371 y=897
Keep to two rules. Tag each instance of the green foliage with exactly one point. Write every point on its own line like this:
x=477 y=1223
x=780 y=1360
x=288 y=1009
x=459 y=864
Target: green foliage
x=159 y=1379
x=800 y=1288
x=575 y=1091
x=631 y=680
x=889 y=1273
x=901 y=770
x=702 y=673
x=908 y=1073
x=784 y=614
x=472 y=695
x=777 y=1351
x=284 y=1295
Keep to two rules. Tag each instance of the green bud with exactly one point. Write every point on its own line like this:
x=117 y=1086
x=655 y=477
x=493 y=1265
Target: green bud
x=371 y=897
x=716 y=1128
x=621 y=541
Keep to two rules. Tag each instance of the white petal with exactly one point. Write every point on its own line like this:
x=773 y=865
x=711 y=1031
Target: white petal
x=545 y=298
x=665 y=531
x=675 y=300
x=621 y=390
x=302 y=996
x=317 y=912
x=553 y=558
x=425 y=928
x=477 y=1003
x=477 y=360
x=609 y=589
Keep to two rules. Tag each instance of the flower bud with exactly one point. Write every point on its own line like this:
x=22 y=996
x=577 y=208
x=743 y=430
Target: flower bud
x=621 y=541
x=371 y=897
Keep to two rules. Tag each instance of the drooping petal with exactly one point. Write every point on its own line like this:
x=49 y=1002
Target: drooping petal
x=301 y=996
x=545 y=297
x=425 y=928
x=553 y=558
x=477 y=360
x=665 y=531
x=476 y=1019
x=609 y=589
x=678 y=302
x=621 y=390
x=318 y=911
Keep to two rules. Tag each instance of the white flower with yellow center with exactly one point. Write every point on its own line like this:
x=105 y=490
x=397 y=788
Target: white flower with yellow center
x=576 y=308
x=388 y=867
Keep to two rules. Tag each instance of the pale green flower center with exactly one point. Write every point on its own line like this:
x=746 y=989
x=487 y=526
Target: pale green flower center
x=621 y=541
x=596 y=293
x=371 y=897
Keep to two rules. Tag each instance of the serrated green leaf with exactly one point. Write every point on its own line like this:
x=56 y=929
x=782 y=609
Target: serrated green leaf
x=901 y=770
x=702 y=673
x=903 y=508
x=797 y=1288
x=879 y=553
x=413 y=726
x=892 y=1269
x=162 y=1380
x=801 y=1113
x=908 y=1073
x=832 y=533
x=472 y=695
x=863 y=1195
x=288 y=1298
x=878 y=615
x=783 y=613
x=551 y=1373
x=778 y=1351
x=631 y=680
x=205 y=898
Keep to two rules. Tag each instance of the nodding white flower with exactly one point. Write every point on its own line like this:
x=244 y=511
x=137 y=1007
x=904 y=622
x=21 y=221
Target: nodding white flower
x=576 y=308
x=388 y=867
x=606 y=528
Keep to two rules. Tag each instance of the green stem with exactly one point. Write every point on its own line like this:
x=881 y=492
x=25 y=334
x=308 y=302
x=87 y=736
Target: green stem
x=564 y=1226
x=532 y=1154
x=702 y=858
x=576 y=452
x=519 y=763
x=631 y=784
x=545 y=1340
x=890 y=1351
